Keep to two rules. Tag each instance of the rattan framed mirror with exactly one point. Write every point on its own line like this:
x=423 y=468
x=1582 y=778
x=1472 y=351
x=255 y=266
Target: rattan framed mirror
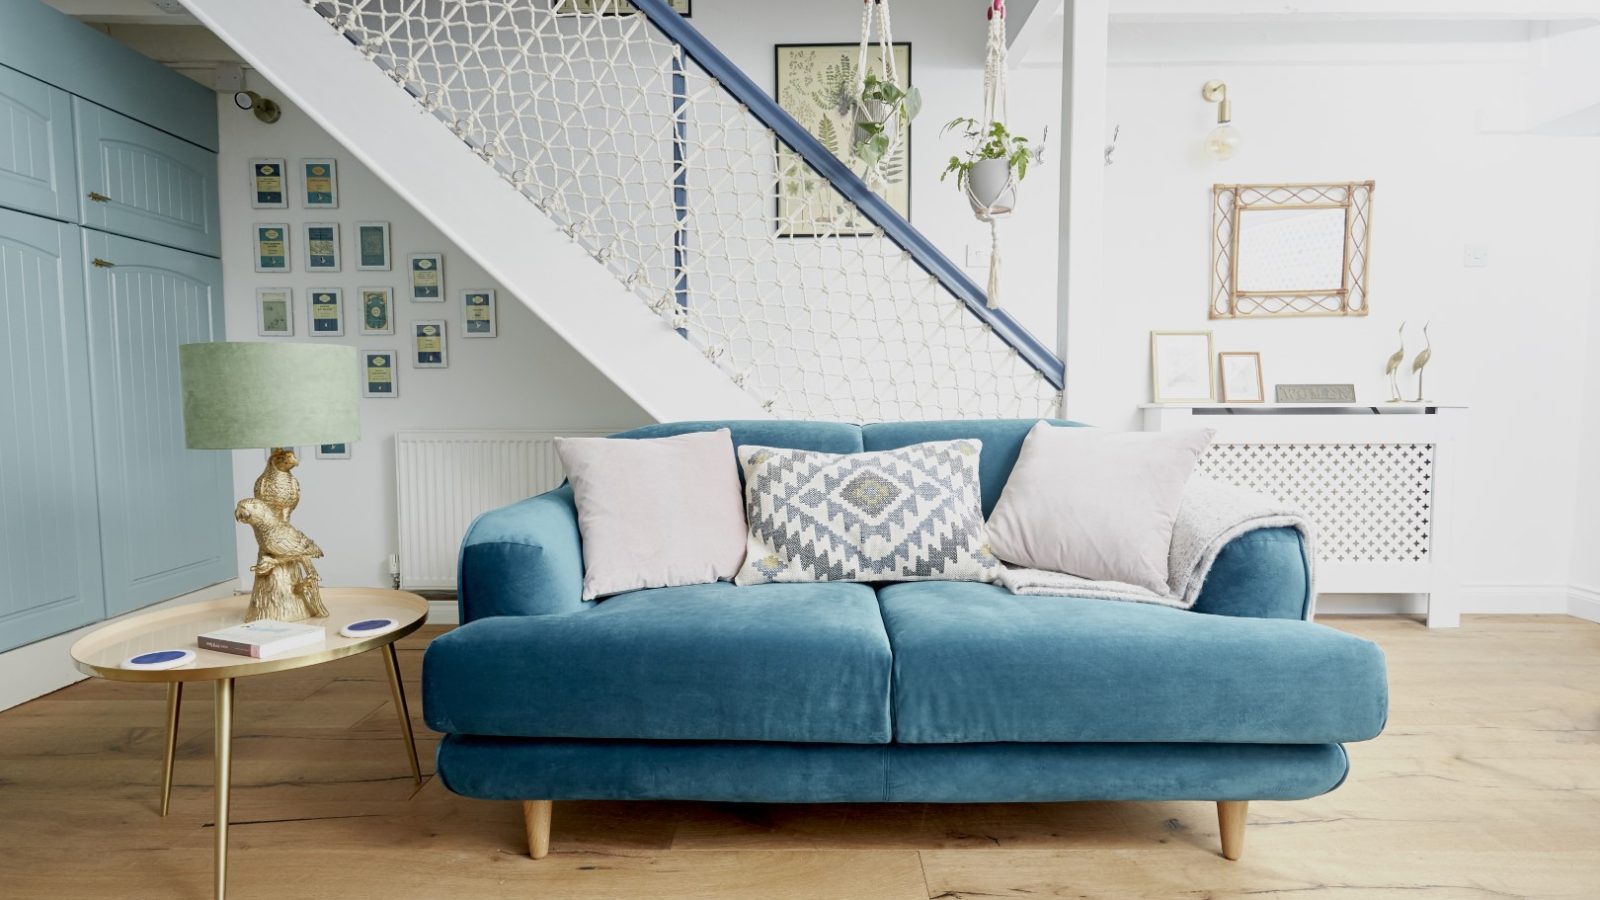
x=1290 y=249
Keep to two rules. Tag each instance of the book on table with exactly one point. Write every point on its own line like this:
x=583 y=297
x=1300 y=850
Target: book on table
x=262 y=639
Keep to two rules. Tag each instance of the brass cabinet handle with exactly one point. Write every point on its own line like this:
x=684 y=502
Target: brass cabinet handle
x=98 y=197
x=102 y=263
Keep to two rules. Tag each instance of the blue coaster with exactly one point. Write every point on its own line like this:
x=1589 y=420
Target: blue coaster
x=159 y=659
x=368 y=628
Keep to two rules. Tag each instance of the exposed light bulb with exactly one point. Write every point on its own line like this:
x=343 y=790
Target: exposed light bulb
x=1223 y=141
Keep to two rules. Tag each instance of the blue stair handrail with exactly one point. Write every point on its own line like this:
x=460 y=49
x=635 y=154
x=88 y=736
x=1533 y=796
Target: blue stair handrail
x=875 y=208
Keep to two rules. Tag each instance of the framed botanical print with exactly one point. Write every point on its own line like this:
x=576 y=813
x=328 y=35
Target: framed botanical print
x=271 y=243
x=1240 y=376
x=380 y=377
x=269 y=188
x=321 y=180
x=275 y=312
x=480 y=317
x=428 y=347
x=327 y=312
x=612 y=7
x=426 y=274
x=322 y=246
x=811 y=80
x=338 y=451
x=372 y=247
x=377 y=310
x=1180 y=367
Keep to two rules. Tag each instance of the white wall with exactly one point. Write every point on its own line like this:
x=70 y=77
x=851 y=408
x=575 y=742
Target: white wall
x=526 y=377
x=947 y=53
x=1585 y=572
x=1391 y=105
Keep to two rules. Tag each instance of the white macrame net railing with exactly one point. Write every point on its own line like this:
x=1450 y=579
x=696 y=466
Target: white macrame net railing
x=576 y=108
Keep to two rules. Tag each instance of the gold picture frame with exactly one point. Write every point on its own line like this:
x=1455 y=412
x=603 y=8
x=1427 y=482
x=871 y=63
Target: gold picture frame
x=1350 y=296
x=1230 y=374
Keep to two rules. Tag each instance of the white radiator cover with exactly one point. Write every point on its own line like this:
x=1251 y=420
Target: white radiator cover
x=446 y=479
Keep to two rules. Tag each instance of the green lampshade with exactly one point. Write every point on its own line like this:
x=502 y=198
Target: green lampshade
x=243 y=395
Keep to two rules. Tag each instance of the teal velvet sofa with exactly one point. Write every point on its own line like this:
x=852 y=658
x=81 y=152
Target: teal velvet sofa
x=929 y=692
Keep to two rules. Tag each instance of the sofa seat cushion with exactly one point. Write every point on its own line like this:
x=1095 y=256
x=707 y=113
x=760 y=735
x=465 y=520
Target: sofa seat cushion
x=780 y=662
x=975 y=663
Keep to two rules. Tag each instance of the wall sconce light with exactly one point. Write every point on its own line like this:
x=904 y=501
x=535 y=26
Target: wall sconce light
x=266 y=110
x=1224 y=140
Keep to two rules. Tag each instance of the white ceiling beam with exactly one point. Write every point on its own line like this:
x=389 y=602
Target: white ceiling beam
x=1353 y=10
x=1028 y=20
x=125 y=12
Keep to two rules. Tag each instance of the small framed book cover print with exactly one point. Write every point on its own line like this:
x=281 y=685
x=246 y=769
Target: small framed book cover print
x=479 y=313
x=327 y=312
x=269 y=188
x=372 y=247
x=377 y=310
x=429 y=349
x=271 y=247
x=322 y=246
x=336 y=451
x=321 y=180
x=427 y=277
x=380 y=377
x=275 y=312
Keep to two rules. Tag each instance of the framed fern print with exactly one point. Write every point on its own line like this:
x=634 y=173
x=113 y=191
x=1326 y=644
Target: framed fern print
x=815 y=81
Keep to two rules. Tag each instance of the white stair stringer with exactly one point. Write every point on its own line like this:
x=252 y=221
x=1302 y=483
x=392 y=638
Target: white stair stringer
x=517 y=244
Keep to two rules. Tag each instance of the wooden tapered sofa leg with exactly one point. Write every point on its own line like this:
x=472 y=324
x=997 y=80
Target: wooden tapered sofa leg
x=536 y=816
x=1230 y=816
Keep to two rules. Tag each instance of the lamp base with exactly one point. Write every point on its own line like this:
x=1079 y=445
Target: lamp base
x=287 y=587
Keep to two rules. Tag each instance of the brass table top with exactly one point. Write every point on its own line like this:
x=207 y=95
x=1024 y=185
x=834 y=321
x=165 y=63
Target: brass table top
x=102 y=652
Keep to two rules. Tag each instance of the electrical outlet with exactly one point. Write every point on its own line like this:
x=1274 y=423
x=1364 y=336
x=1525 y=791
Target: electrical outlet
x=1476 y=256
x=977 y=257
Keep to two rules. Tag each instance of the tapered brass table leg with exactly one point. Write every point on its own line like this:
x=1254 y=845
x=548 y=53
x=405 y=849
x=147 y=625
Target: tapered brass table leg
x=174 y=700
x=392 y=664
x=224 y=759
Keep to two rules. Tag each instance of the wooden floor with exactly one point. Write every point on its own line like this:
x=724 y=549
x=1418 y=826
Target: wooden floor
x=1485 y=784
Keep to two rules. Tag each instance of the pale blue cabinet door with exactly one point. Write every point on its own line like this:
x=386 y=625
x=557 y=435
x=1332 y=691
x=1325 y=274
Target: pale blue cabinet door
x=37 y=171
x=49 y=522
x=166 y=520
x=156 y=187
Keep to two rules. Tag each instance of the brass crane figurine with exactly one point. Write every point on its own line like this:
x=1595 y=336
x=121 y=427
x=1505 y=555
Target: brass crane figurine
x=1422 y=361
x=1393 y=368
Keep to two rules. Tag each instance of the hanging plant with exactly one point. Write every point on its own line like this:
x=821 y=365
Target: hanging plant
x=882 y=111
x=992 y=166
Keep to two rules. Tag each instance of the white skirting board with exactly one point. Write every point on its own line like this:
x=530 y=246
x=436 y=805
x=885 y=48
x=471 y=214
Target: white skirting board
x=1584 y=602
x=36 y=669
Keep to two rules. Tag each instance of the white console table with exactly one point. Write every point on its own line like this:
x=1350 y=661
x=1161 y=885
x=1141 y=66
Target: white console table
x=1375 y=480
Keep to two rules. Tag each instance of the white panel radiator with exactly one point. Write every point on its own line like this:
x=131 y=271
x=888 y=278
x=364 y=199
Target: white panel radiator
x=445 y=479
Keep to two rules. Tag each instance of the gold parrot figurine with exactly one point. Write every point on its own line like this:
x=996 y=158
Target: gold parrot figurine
x=277 y=487
x=1422 y=361
x=1392 y=370
x=286 y=585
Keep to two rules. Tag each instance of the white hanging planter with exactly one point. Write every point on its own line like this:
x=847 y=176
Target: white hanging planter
x=990 y=188
x=875 y=112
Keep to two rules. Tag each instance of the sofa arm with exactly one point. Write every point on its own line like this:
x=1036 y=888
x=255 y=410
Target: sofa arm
x=1264 y=574
x=523 y=560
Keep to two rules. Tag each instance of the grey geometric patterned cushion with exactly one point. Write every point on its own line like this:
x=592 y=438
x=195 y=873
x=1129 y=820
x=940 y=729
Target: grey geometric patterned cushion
x=895 y=515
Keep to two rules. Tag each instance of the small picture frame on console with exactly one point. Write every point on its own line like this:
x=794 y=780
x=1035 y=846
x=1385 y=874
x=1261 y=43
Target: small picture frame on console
x=1240 y=377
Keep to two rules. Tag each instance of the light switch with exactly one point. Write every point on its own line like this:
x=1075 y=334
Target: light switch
x=1476 y=256
x=977 y=257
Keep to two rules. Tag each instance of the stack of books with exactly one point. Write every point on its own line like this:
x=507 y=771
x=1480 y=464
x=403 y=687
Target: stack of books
x=262 y=639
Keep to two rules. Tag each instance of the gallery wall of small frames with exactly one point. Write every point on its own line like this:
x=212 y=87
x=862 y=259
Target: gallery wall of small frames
x=380 y=287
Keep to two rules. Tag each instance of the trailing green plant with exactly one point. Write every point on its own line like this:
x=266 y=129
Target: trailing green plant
x=993 y=141
x=879 y=104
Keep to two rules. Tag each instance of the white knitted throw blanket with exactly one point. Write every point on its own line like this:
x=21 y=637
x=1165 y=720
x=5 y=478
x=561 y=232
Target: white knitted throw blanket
x=1211 y=515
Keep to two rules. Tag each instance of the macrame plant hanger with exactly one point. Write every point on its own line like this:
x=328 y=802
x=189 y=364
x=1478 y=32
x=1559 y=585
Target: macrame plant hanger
x=996 y=108
x=876 y=12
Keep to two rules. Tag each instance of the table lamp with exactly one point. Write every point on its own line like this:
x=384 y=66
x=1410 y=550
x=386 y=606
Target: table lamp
x=271 y=396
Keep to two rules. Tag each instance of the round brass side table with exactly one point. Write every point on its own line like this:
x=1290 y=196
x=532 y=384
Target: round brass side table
x=102 y=653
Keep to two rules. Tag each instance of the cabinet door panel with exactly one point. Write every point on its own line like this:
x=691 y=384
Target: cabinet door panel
x=156 y=187
x=49 y=521
x=166 y=511
x=37 y=171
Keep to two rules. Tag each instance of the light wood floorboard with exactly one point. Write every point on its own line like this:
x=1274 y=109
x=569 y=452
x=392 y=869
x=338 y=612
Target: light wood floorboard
x=1486 y=784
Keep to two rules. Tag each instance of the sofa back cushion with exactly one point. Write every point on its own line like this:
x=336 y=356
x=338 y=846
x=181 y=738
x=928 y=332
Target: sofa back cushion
x=1002 y=441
